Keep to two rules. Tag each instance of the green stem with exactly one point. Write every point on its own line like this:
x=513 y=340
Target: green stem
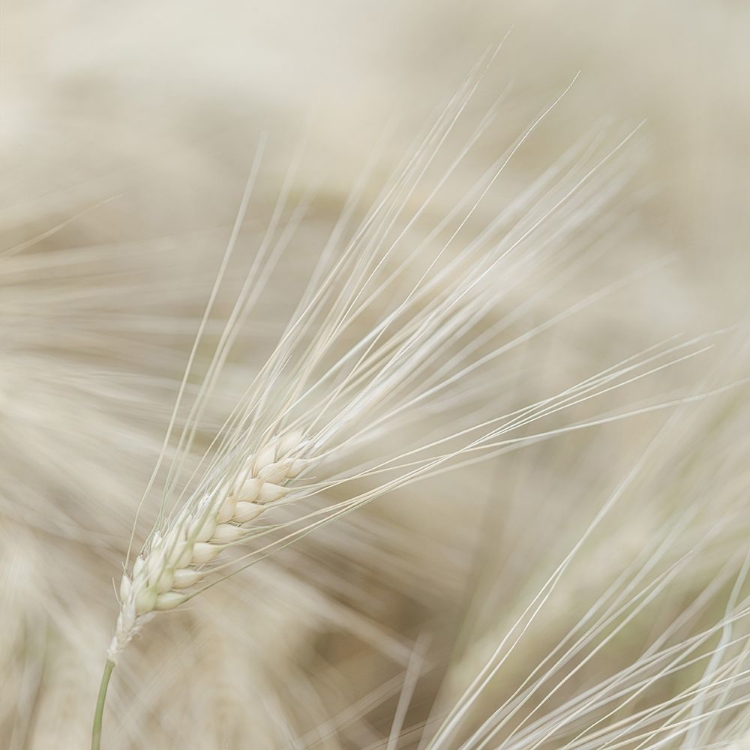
x=96 y=731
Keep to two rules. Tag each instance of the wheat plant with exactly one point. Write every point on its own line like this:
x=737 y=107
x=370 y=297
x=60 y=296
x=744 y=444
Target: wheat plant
x=327 y=391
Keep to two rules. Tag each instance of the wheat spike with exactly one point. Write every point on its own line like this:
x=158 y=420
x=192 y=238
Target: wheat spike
x=332 y=387
x=178 y=559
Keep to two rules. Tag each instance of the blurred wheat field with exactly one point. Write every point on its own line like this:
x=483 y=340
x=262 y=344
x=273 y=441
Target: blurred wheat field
x=583 y=586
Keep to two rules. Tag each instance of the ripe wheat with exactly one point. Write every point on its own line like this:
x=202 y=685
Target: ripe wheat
x=327 y=392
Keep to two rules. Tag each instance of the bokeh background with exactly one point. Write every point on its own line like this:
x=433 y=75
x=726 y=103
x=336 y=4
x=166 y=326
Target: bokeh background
x=127 y=132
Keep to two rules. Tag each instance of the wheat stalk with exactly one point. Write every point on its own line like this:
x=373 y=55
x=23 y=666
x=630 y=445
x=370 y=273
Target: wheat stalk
x=327 y=391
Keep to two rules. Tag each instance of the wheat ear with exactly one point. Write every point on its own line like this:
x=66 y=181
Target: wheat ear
x=347 y=386
x=176 y=560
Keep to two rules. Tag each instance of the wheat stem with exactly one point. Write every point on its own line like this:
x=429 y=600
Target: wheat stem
x=96 y=730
